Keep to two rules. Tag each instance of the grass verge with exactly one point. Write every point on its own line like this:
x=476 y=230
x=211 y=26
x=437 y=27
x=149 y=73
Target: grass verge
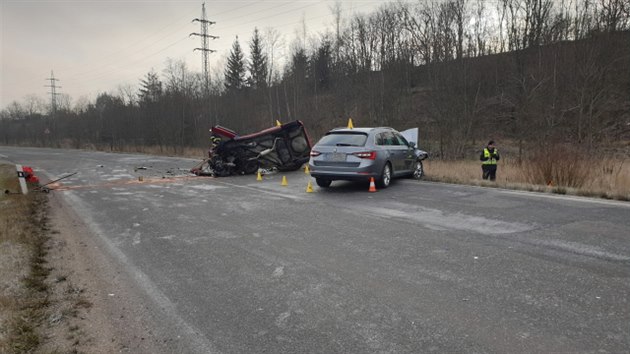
x=23 y=268
x=601 y=178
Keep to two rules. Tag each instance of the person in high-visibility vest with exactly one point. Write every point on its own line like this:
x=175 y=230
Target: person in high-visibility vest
x=489 y=157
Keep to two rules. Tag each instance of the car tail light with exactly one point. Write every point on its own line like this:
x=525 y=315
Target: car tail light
x=315 y=153
x=371 y=155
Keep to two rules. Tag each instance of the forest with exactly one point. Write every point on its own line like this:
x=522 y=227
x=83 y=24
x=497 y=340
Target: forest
x=525 y=72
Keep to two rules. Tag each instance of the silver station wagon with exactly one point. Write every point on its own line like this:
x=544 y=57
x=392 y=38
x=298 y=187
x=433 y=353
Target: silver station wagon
x=357 y=154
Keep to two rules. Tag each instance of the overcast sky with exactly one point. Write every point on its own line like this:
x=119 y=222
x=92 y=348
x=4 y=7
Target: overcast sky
x=96 y=45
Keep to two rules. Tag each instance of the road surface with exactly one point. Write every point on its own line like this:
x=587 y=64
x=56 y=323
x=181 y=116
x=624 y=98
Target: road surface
x=234 y=265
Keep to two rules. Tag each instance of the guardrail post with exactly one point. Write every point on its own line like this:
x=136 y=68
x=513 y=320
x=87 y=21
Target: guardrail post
x=22 y=177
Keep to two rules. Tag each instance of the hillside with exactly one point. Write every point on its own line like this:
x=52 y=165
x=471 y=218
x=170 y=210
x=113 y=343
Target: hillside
x=575 y=92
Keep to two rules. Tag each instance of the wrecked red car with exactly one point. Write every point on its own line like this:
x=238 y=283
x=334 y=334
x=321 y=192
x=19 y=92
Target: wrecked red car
x=285 y=147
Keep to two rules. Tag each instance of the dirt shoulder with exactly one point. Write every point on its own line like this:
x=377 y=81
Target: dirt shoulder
x=94 y=307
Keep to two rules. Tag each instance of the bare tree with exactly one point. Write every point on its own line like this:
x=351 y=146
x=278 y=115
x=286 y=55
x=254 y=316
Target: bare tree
x=336 y=10
x=613 y=15
x=273 y=44
x=34 y=104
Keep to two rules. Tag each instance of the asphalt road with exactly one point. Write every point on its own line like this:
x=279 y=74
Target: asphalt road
x=234 y=265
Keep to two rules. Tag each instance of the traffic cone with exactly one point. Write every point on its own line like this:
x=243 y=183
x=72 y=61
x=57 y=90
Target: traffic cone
x=350 y=125
x=372 y=185
x=278 y=123
x=259 y=177
x=307 y=170
x=284 y=181
x=309 y=187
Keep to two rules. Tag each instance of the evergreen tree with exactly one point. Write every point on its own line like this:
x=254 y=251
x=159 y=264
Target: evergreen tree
x=258 y=65
x=299 y=64
x=235 y=71
x=321 y=64
x=150 y=88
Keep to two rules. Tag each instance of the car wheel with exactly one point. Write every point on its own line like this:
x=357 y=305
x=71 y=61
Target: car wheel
x=324 y=183
x=386 y=176
x=418 y=172
x=250 y=167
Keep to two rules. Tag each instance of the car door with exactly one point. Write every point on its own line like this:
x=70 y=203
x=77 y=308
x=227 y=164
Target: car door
x=381 y=142
x=409 y=155
x=396 y=151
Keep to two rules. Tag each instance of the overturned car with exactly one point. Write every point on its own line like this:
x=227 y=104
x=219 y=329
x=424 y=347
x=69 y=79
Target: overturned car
x=285 y=147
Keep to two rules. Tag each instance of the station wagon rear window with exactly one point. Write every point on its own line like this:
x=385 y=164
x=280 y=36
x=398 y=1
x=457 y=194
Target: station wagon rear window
x=344 y=139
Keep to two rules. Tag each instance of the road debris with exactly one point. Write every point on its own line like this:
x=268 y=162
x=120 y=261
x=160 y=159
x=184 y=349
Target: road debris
x=44 y=188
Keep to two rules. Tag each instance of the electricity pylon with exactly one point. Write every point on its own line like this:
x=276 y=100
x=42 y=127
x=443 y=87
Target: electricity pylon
x=53 y=92
x=204 y=44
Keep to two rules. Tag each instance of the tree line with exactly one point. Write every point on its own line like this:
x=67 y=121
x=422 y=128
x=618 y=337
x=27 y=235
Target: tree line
x=461 y=70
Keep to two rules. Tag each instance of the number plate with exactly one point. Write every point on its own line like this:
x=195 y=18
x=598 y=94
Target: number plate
x=336 y=156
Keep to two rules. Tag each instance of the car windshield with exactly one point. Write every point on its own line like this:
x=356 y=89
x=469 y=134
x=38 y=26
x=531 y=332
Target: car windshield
x=343 y=139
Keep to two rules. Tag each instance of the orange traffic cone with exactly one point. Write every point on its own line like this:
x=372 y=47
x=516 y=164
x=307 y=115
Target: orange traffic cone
x=372 y=185
x=284 y=181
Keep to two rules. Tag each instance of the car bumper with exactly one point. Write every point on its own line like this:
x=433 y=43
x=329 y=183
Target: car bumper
x=356 y=174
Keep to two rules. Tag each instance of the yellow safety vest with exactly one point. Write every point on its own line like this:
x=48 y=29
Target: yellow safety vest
x=490 y=160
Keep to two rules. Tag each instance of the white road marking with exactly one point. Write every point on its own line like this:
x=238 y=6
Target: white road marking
x=614 y=203
x=585 y=250
x=572 y=198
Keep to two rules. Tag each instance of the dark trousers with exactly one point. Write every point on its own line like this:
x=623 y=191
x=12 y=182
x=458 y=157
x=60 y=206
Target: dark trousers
x=489 y=172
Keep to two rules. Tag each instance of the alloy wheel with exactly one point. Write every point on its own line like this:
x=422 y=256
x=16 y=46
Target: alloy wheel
x=419 y=170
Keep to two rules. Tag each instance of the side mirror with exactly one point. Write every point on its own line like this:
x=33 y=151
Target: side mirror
x=412 y=145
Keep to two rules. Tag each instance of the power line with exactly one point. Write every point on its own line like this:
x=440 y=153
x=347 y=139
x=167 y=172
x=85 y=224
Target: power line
x=117 y=69
x=102 y=71
x=135 y=45
x=354 y=8
x=97 y=66
x=276 y=14
x=99 y=70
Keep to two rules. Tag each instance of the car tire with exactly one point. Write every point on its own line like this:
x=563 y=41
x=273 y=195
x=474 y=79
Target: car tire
x=418 y=171
x=386 y=176
x=324 y=183
x=250 y=167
